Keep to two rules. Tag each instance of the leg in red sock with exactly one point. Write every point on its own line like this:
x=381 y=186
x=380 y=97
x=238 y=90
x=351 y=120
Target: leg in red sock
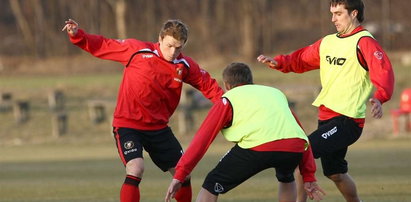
x=185 y=193
x=130 y=191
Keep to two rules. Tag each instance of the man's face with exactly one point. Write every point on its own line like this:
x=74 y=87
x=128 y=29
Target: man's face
x=343 y=21
x=170 y=47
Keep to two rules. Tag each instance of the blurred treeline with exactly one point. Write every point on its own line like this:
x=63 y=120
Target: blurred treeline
x=243 y=28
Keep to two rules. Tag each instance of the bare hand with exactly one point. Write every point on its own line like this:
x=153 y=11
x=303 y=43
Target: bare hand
x=314 y=192
x=267 y=60
x=172 y=190
x=71 y=27
x=376 y=108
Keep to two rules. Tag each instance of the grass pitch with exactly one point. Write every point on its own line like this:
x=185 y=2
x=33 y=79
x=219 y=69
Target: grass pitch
x=92 y=172
x=83 y=164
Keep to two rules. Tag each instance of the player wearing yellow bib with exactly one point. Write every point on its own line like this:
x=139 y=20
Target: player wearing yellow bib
x=266 y=135
x=351 y=63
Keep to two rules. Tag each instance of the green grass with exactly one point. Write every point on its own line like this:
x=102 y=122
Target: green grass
x=83 y=165
x=92 y=172
x=79 y=89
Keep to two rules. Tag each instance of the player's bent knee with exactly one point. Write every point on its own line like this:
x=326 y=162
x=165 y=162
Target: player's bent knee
x=205 y=196
x=135 y=167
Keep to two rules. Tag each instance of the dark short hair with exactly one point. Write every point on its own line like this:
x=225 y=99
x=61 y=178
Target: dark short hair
x=176 y=29
x=351 y=5
x=237 y=74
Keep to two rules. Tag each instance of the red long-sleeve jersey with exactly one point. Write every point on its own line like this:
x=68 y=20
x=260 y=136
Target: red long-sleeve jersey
x=379 y=68
x=219 y=117
x=151 y=87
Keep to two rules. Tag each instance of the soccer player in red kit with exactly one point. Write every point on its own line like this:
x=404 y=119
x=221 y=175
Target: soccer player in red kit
x=149 y=94
x=266 y=135
x=351 y=63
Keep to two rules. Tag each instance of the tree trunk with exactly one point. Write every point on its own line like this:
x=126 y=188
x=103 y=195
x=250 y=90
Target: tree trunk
x=119 y=7
x=247 y=49
x=23 y=24
x=151 y=20
x=39 y=29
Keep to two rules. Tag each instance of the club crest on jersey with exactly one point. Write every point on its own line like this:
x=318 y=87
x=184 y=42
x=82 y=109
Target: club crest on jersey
x=378 y=55
x=225 y=101
x=179 y=71
x=128 y=144
x=218 y=187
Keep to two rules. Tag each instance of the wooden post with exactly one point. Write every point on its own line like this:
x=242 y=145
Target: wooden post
x=59 y=124
x=97 y=111
x=56 y=100
x=186 y=119
x=5 y=101
x=21 y=111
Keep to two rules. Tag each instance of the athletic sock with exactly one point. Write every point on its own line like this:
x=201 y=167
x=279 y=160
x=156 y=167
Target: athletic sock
x=130 y=191
x=185 y=193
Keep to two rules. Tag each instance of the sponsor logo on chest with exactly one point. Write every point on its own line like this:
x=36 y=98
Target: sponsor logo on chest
x=335 y=60
x=145 y=56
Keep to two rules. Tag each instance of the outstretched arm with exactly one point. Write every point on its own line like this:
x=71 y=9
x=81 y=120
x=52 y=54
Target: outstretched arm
x=301 y=60
x=100 y=46
x=71 y=27
x=268 y=61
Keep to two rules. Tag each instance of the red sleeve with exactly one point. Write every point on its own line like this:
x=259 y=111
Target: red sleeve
x=302 y=60
x=379 y=67
x=201 y=80
x=104 y=48
x=307 y=166
x=219 y=116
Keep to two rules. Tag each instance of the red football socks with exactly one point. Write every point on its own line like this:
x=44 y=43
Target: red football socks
x=185 y=193
x=130 y=191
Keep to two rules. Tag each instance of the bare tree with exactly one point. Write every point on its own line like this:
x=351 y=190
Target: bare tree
x=236 y=27
x=119 y=7
x=205 y=19
x=22 y=23
x=39 y=29
x=248 y=49
x=386 y=22
x=150 y=18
